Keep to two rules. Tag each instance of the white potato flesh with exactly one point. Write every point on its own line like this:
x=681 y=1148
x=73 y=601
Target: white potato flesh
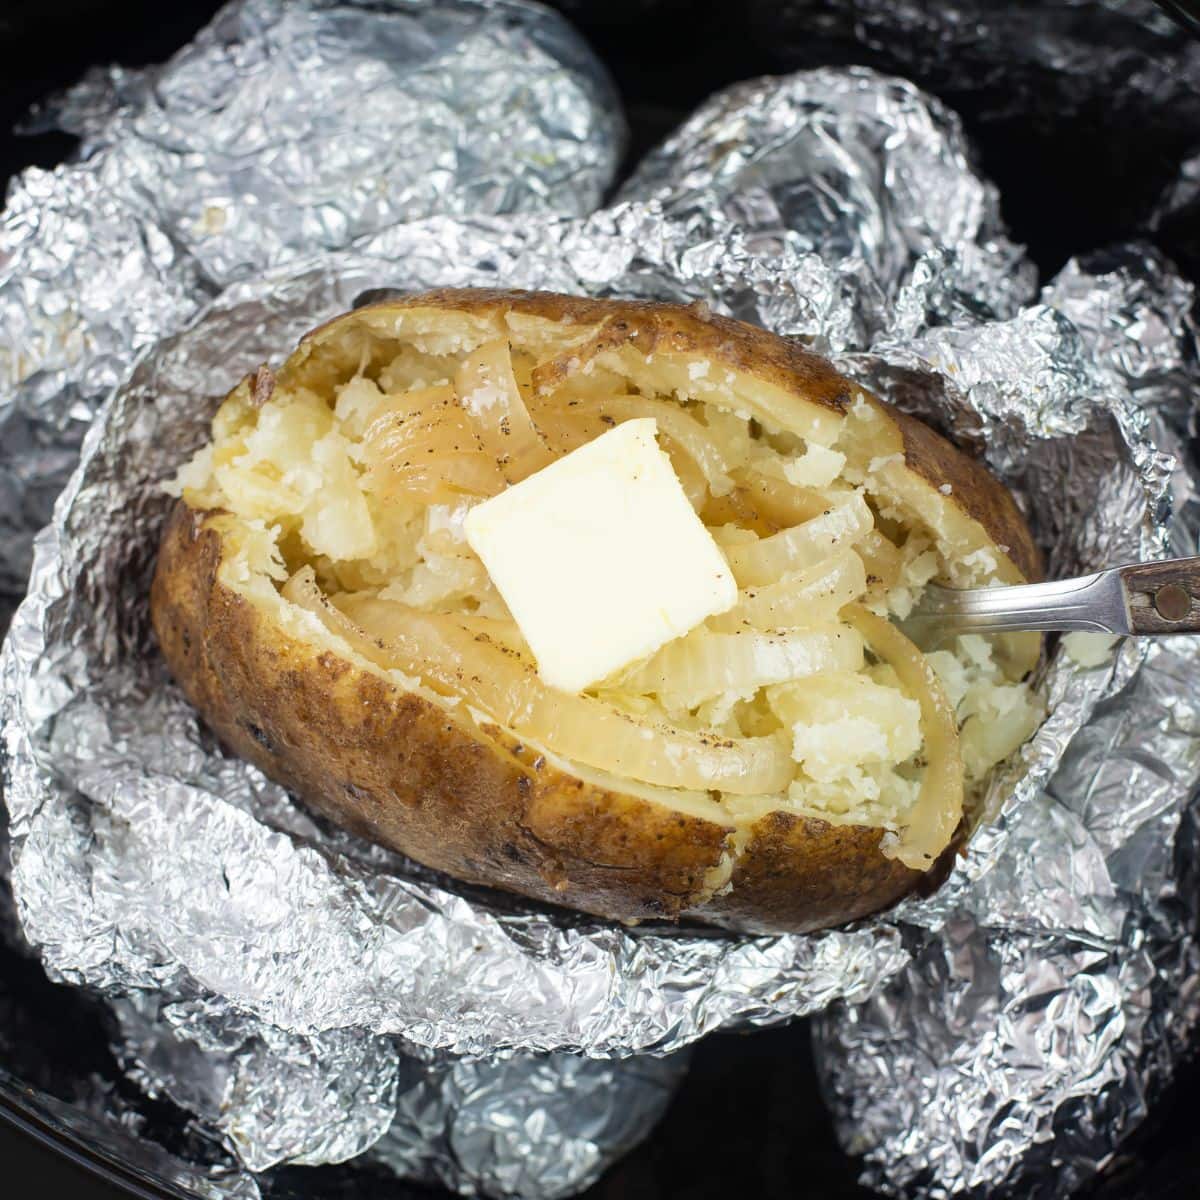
x=362 y=490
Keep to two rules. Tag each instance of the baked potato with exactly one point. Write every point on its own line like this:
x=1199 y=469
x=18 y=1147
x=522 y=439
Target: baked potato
x=317 y=601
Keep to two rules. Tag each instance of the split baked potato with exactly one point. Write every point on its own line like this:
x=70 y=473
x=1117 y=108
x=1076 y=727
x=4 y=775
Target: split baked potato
x=791 y=764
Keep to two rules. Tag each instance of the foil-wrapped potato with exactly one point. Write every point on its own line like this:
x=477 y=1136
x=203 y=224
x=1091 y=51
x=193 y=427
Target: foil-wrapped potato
x=791 y=763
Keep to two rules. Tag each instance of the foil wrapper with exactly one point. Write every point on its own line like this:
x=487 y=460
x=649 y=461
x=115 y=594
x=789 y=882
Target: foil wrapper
x=281 y=130
x=284 y=129
x=1031 y=1032
x=313 y=998
x=511 y=1125
x=865 y=170
x=1107 y=91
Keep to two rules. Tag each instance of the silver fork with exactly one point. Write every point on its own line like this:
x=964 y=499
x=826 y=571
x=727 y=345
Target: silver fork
x=1144 y=598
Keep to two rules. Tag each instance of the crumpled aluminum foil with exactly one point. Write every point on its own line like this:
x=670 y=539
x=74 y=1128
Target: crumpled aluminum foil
x=1028 y=1036
x=278 y=948
x=1088 y=66
x=288 y=128
x=864 y=170
x=284 y=128
x=519 y=1125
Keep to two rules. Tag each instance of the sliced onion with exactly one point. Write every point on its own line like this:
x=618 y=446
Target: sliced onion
x=439 y=480
x=693 y=669
x=696 y=441
x=732 y=434
x=550 y=375
x=782 y=503
x=803 y=599
x=737 y=508
x=422 y=445
x=436 y=580
x=771 y=558
x=690 y=477
x=882 y=560
x=938 y=808
x=568 y=424
x=499 y=630
x=388 y=423
x=458 y=662
x=488 y=392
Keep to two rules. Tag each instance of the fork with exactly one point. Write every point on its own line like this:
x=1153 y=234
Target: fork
x=1143 y=598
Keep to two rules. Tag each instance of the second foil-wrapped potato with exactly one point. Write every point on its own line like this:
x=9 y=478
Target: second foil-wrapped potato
x=790 y=762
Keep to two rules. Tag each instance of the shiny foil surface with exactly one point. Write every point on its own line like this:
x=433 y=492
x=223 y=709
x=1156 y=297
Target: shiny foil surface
x=868 y=171
x=312 y=998
x=284 y=128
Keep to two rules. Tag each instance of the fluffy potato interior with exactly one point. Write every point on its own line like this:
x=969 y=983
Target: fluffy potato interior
x=345 y=482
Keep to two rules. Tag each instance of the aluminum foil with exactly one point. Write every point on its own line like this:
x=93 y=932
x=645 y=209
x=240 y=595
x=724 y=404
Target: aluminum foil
x=1093 y=68
x=1027 y=1039
x=287 y=128
x=866 y=171
x=282 y=129
x=271 y=948
x=524 y=1126
x=519 y=1125
x=143 y=859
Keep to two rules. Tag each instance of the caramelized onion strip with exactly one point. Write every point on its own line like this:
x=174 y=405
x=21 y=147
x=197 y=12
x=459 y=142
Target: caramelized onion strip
x=938 y=808
x=769 y=559
x=488 y=392
x=455 y=661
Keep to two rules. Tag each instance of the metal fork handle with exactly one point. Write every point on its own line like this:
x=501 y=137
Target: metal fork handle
x=1164 y=597
x=1145 y=598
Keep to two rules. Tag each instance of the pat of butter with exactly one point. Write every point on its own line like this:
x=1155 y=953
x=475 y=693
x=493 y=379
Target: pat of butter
x=600 y=557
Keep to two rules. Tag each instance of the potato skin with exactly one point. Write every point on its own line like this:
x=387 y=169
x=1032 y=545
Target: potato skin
x=651 y=326
x=471 y=800
x=475 y=803
x=402 y=771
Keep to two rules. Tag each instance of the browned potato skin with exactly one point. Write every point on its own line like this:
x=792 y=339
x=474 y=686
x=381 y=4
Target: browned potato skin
x=472 y=801
x=398 y=769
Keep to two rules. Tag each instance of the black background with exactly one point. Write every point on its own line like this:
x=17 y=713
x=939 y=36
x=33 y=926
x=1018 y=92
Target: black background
x=749 y=1120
